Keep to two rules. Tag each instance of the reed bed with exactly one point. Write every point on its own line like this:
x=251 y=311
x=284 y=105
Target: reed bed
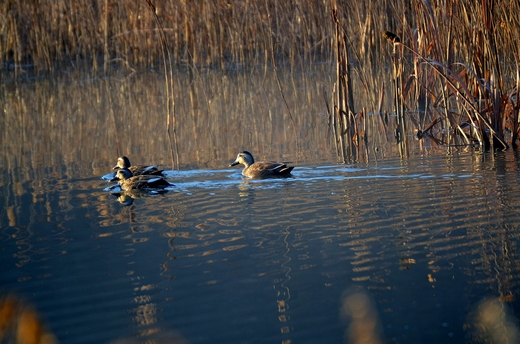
x=101 y=34
x=50 y=122
x=451 y=80
x=453 y=68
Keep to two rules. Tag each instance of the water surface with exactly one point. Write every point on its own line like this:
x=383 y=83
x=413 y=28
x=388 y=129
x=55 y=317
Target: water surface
x=405 y=249
x=223 y=259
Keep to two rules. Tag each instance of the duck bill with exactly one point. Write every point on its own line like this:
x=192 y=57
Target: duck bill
x=234 y=163
x=115 y=167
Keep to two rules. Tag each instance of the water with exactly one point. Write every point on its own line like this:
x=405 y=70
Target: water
x=223 y=259
x=414 y=250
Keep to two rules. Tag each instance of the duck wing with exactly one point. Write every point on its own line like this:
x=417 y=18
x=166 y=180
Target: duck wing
x=268 y=165
x=145 y=170
x=276 y=167
x=265 y=169
x=156 y=182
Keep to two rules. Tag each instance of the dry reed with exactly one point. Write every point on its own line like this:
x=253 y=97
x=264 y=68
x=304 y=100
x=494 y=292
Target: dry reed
x=455 y=82
x=454 y=71
x=94 y=34
x=170 y=89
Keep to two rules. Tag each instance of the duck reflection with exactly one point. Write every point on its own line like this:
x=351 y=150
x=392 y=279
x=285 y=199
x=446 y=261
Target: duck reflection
x=244 y=190
x=156 y=336
x=127 y=198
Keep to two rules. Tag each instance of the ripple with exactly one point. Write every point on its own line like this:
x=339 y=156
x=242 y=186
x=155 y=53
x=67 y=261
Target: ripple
x=413 y=236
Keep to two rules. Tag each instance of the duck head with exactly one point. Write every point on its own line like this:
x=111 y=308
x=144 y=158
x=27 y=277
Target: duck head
x=122 y=162
x=122 y=174
x=245 y=158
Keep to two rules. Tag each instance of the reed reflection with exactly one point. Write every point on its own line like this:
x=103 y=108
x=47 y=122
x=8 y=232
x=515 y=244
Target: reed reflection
x=149 y=219
x=283 y=291
x=84 y=124
x=109 y=117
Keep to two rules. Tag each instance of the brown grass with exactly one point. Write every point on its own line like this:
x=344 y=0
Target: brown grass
x=454 y=75
x=94 y=34
x=454 y=71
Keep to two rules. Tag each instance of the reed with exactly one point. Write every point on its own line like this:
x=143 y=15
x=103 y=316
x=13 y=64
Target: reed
x=280 y=88
x=343 y=100
x=454 y=73
x=169 y=87
x=114 y=33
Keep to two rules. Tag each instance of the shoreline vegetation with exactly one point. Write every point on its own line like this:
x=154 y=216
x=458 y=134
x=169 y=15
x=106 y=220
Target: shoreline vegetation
x=100 y=35
x=449 y=69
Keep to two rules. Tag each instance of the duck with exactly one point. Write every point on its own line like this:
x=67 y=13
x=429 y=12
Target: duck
x=261 y=169
x=127 y=181
x=124 y=162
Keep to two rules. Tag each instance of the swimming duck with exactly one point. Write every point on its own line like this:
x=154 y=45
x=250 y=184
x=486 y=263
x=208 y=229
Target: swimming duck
x=261 y=169
x=128 y=182
x=124 y=162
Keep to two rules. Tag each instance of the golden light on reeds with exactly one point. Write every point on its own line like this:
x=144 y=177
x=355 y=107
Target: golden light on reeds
x=458 y=65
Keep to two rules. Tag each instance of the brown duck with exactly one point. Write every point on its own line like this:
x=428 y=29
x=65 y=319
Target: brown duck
x=128 y=182
x=261 y=169
x=124 y=162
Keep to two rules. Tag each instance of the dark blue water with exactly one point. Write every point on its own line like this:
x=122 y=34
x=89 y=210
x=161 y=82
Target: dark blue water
x=220 y=259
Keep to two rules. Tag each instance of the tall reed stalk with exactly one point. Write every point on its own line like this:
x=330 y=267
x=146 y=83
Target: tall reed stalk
x=343 y=100
x=397 y=70
x=170 y=90
x=280 y=88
